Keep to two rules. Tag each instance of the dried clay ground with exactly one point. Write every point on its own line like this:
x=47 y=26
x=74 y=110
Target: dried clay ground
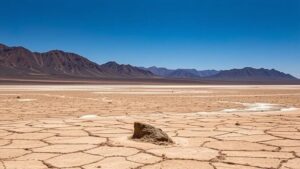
x=89 y=127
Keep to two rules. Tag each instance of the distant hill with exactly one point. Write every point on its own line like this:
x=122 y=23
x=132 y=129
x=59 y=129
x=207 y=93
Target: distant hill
x=181 y=73
x=19 y=61
x=252 y=74
x=159 y=71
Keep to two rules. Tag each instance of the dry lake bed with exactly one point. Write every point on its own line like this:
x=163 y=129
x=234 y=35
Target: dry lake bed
x=89 y=126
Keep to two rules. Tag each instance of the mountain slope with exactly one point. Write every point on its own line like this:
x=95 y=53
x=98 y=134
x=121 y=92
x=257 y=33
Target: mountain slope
x=159 y=71
x=184 y=73
x=252 y=74
x=125 y=70
x=181 y=73
x=19 y=61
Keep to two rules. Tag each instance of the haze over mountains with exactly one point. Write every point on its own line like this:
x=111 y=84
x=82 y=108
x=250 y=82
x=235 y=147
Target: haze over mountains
x=19 y=62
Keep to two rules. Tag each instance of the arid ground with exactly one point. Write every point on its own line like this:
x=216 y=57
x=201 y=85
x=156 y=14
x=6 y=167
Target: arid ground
x=89 y=126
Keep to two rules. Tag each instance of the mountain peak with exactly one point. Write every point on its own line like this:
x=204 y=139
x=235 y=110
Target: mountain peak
x=111 y=63
x=126 y=70
x=153 y=67
x=60 y=52
x=56 y=51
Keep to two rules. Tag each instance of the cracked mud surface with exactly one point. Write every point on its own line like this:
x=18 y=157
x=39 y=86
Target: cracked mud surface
x=214 y=140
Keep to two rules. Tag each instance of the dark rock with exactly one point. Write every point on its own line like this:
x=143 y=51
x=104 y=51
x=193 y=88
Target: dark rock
x=148 y=133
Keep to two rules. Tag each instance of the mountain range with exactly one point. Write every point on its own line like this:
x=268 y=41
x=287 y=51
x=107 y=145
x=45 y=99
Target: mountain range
x=180 y=73
x=244 y=74
x=19 y=62
x=252 y=74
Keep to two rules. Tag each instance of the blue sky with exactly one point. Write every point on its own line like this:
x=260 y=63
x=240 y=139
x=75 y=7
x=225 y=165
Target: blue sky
x=201 y=34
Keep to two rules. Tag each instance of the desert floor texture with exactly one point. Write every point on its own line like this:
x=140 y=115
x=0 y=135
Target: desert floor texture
x=89 y=126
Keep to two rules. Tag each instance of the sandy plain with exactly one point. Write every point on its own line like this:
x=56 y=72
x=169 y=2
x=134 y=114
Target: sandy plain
x=88 y=126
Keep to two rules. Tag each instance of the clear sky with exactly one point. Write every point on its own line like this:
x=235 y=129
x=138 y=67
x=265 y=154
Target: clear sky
x=201 y=34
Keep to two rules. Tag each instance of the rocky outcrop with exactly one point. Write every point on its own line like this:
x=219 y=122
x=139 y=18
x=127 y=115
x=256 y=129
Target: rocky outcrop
x=148 y=133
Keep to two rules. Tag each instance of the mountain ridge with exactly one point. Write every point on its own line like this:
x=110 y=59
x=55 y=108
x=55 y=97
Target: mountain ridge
x=180 y=73
x=252 y=74
x=21 y=61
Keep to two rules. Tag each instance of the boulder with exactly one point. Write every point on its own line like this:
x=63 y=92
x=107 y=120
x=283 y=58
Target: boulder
x=147 y=133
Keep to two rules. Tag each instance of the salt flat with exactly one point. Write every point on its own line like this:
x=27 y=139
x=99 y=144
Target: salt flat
x=88 y=126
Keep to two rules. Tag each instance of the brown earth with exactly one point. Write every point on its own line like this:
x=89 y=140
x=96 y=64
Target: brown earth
x=41 y=127
x=75 y=100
